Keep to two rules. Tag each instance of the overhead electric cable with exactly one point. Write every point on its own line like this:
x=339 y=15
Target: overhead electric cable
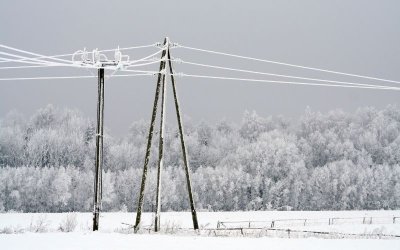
x=31 y=53
x=287 y=82
x=288 y=64
x=29 y=61
x=43 y=63
x=70 y=54
x=278 y=75
x=139 y=71
x=66 y=77
x=143 y=64
x=133 y=47
x=32 y=66
x=145 y=58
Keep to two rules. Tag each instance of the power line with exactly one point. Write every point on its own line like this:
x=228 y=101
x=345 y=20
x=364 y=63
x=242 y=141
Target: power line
x=135 y=65
x=71 y=54
x=36 y=61
x=44 y=63
x=117 y=67
x=28 y=62
x=140 y=71
x=77 y=66
x=31 y=53
x=128 y=75
x=32 y=66
x=288 y=64
x=278 y=75
x=145 y=58
x=129 y=48
x=143 y=64
x=286 y=82
x=66 y=77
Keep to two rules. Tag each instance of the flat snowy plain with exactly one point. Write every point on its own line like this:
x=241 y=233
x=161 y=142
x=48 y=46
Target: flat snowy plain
x=18 y=231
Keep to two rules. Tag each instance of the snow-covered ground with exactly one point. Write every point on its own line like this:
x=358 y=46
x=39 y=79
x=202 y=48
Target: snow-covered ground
x=18 y=230
x=100 y=241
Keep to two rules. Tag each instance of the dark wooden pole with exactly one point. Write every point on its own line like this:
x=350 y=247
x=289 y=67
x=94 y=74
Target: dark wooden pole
x=185 y=160
x=147 y=157
x=99 y=150
x=160 y=153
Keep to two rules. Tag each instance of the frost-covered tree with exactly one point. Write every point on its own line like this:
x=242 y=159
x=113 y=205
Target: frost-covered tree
x=324 y=161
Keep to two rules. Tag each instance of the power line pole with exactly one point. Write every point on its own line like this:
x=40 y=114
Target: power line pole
x=99 y=150
x=149 y=139
x=160 y=152
x=162 y=81
x=185 y=160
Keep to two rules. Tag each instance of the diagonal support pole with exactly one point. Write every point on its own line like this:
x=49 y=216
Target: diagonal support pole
x=185 y=160
x=147 y=157
x=99 y=150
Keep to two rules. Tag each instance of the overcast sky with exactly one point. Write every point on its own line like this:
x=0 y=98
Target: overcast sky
x=357 y=36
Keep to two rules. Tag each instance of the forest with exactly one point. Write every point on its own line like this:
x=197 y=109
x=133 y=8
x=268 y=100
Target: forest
x=321 y=161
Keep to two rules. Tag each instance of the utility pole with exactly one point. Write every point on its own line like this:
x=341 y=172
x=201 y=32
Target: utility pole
x=185 y=160
x=162 y=81
x=160 y=152
x=99 y=150
x=149 y=139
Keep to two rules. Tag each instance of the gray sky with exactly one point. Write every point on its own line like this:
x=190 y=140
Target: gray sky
x=357 y=36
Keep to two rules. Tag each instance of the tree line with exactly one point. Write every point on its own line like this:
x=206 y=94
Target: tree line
x=322 y=161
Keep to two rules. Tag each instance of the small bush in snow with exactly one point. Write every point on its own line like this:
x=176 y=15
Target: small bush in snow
x=69 y=223
x=171 y=227
x=40 y=225
x=6 y=230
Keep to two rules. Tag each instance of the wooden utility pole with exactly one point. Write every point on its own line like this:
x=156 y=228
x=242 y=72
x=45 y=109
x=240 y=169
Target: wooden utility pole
x=99 y=150
x=160 y=153
x=149 y=139
x=166 y=56
x=185 y=160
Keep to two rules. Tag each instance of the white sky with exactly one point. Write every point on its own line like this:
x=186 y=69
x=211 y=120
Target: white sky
x=361 y=37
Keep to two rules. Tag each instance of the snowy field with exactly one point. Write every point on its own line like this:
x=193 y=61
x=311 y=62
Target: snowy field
x=45 y=231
